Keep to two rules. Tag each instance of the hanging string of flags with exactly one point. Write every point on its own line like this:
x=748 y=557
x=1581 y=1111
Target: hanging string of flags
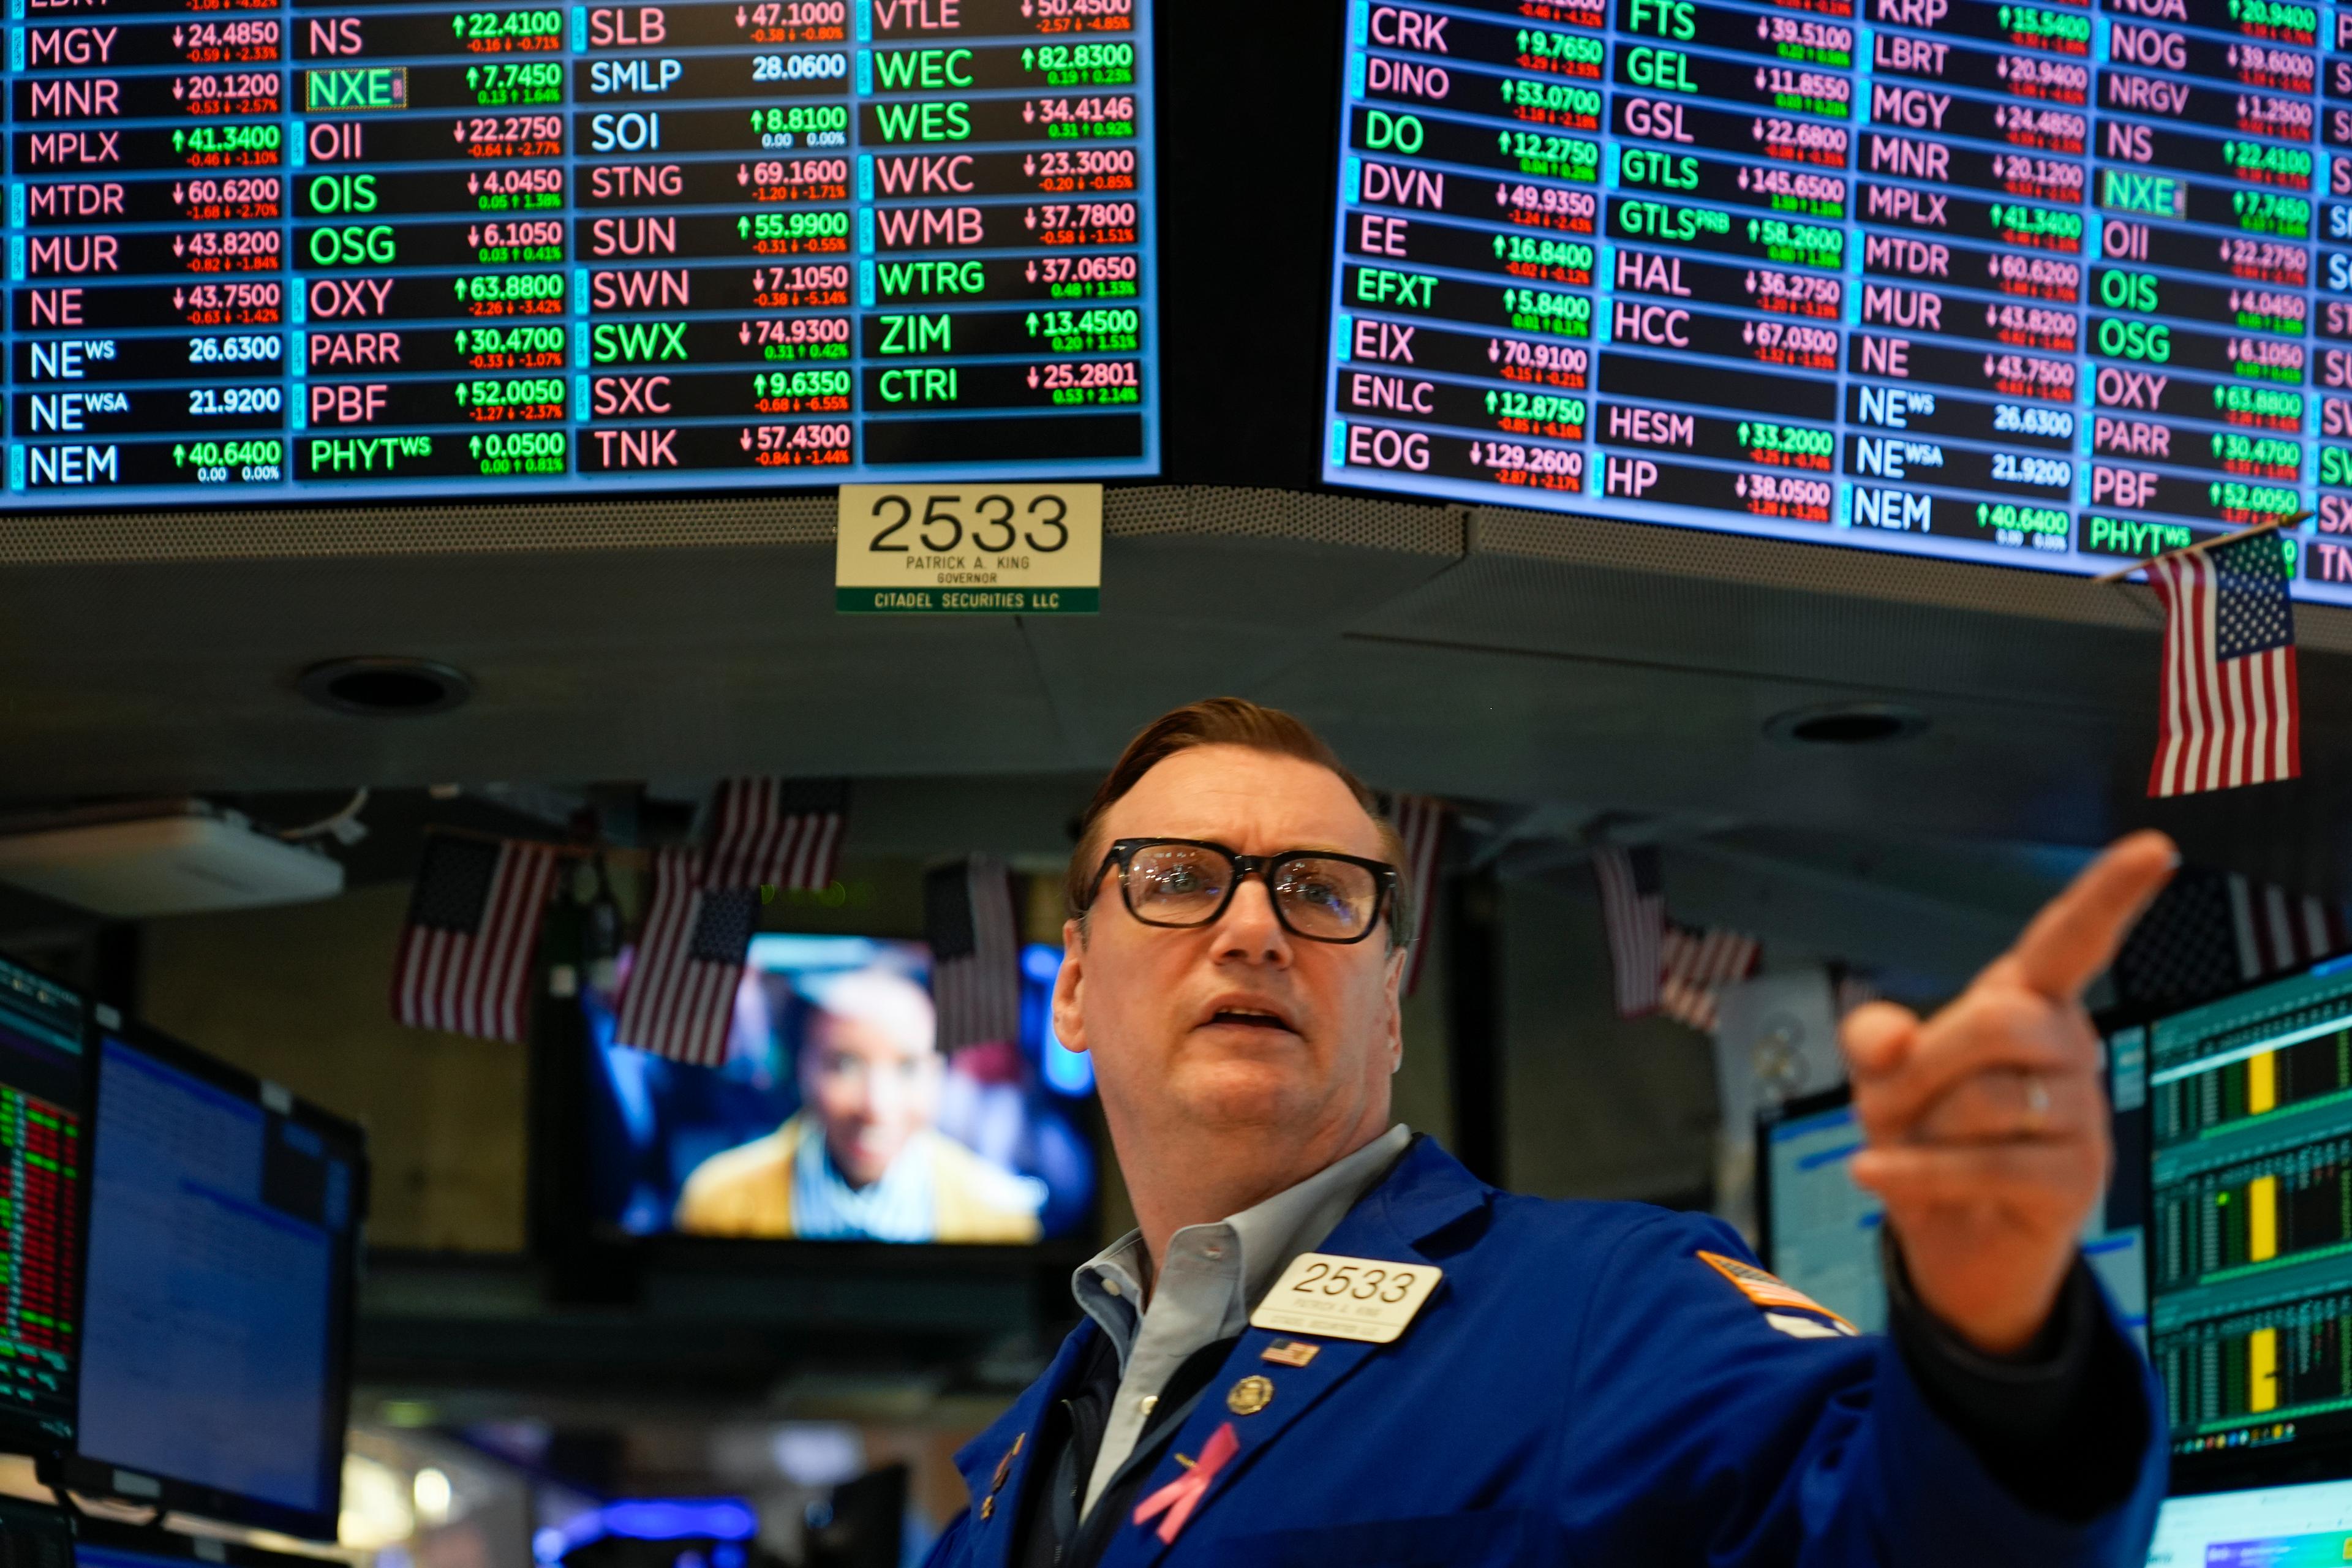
x=679 y=999
x=1695 y=965
x=1660 y=965
x=1633 y=917
x=469 y=947
x=464 y=960
x=975 y=942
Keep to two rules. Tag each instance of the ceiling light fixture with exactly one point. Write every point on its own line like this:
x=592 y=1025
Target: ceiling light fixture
x=380 y=688
x=1847 y=724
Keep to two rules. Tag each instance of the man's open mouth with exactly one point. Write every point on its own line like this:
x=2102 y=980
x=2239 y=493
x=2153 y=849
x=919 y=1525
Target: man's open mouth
x=1251 y=1017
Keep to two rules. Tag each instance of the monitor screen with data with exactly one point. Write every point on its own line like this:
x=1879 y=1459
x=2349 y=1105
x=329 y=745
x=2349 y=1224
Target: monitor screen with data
x=2267 y=1527
x=1820 y=1231
x=264 y=252
x=223 y=1224
x=2058 y=284
x=2250 y=1219
x=42 y=1118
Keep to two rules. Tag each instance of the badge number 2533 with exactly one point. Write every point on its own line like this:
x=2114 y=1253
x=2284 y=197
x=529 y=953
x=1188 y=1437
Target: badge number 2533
x=976 y=548
x=1345 y=1298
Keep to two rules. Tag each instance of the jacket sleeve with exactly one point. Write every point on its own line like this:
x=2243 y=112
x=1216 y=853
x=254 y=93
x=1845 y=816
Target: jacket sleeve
x=947 y=1551
x=1759 y=1434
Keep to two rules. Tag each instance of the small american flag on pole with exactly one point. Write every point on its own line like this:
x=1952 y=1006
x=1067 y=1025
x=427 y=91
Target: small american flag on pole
x=975 y=951
x=464 y=959
x=2230 y=713
x=1419 y=821
x=1694 y=968
x=1634 y=912
x=776 y=832
x=681 y=999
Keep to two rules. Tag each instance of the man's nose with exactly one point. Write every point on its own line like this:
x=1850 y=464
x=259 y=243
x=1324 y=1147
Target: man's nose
x=1248 y=929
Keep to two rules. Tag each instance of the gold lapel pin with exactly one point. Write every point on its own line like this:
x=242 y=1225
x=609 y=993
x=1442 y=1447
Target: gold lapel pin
x=1250 y=1395
x=1003 y=1469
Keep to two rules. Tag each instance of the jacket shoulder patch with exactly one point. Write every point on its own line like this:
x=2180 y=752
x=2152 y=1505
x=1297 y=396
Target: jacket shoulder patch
x=1767 y=1291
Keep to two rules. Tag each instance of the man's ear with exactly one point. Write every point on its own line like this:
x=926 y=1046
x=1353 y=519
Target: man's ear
x=1399 y=959
x=1070 y=1022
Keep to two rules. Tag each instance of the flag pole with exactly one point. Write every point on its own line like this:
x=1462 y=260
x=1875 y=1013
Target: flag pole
x=2120 y=572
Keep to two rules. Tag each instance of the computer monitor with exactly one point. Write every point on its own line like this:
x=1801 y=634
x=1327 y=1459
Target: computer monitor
x=32 y=1536
x=831 y=1116
x=1819 y=1232
x=41 y=1166
x=224 y=1220
x=2267 y=1527
x=2249 y=1170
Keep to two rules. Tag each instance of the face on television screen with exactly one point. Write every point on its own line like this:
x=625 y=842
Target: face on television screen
x=835 y=1116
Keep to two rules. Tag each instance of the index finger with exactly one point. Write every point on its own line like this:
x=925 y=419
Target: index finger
x=2076 y=934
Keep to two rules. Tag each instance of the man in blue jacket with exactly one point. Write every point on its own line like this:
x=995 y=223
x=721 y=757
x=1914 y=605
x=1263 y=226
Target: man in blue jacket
x=1328 y=1345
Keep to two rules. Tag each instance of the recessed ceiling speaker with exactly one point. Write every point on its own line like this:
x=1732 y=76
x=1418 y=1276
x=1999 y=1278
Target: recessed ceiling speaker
x=386 y=687
x=1847 y=724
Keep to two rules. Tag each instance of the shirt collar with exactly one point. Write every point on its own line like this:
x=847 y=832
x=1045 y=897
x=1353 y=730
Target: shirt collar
x=1267 y=1236
x=898 y=1207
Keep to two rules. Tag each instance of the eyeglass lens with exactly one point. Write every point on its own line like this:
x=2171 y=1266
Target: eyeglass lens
x=1184 y=884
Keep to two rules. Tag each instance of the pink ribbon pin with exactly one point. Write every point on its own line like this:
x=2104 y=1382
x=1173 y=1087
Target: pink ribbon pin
x=1180 y=1497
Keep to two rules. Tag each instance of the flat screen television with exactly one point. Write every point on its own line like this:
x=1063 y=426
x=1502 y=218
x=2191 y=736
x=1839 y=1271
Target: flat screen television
x=223 y=1228
x=833 y=1116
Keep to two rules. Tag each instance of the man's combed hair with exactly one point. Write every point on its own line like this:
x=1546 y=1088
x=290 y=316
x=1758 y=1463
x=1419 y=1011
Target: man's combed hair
x=1221 y=722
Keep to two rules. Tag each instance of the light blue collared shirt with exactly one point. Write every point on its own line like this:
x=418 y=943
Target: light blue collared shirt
x=1207 y=1284
x=899 y=1208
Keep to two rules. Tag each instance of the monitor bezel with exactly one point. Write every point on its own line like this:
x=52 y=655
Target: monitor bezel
x=91 y=1475
x=2227 y=1469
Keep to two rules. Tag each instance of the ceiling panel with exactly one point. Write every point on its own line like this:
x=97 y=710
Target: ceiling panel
x=1510 y=657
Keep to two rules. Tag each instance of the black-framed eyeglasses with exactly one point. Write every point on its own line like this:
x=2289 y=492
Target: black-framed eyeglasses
x=1317 y=894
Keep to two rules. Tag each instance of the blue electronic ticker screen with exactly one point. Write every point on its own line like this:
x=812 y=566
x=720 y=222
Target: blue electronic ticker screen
x=2058 y=284
x=260 y=250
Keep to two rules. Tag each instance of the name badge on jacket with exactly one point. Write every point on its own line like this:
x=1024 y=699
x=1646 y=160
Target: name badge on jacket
x=1345 y=1298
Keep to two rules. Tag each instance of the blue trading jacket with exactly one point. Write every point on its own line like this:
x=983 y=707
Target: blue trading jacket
x=1582 y=1389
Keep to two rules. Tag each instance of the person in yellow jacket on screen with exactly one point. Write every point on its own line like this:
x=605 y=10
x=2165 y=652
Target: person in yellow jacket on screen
x=861 y=1160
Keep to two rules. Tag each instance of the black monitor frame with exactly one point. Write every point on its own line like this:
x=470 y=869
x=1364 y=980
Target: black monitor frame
x=2227 y=1469
x=91 y=1475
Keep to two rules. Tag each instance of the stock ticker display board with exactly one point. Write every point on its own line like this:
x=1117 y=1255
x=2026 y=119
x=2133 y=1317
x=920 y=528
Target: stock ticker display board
x=279 y=250
x=2055 y=283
